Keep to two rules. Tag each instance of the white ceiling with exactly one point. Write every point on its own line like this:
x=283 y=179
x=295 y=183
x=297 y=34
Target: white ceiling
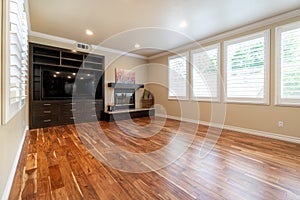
x=154 y=24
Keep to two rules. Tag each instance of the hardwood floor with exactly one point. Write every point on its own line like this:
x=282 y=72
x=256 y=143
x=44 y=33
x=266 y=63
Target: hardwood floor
x=55 y=164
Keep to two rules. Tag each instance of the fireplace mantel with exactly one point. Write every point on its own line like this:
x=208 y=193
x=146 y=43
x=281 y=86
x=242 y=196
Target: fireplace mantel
x=125 y=85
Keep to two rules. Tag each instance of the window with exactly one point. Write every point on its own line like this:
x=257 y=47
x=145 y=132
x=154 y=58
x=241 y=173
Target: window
x=288 y=64
x=178 y=76
x=15 y=59
x=246 y=70
x=206 y=73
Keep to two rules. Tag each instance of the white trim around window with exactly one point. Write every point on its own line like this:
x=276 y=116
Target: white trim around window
x=178 y=77
x=287 y=65
x=205 y=74
x=244 y=82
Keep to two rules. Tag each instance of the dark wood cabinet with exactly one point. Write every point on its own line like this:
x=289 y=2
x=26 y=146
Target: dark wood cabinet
x=51 y=113
x=46 y=110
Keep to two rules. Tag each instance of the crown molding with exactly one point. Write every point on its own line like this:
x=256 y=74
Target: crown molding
x=101 y=48
x=51 y=37
x=250 y=27
x=94 y=47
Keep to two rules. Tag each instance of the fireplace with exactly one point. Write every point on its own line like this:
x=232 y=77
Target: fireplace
x=124 y=106
x=124 y=99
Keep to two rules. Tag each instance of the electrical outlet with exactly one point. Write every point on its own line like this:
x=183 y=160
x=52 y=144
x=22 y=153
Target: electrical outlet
x=280 y=124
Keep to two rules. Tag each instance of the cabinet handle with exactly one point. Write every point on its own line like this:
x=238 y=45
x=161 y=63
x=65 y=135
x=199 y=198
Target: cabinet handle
x=93 y=115
x=47 y=120
x=72 y=117
x=72 y=103
x=47 y=111
x=47 y=104
x=72 y=110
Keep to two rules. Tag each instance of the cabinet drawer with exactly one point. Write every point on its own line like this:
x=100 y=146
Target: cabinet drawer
x=44 y=121
x=72 y=107
x=79 y=118
x=44 y=108
x=71 y=119
x=66 y=119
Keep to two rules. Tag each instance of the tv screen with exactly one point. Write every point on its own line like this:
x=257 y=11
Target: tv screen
x=61 y=84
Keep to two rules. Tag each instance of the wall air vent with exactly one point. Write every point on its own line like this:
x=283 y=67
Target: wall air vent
x=82 y=46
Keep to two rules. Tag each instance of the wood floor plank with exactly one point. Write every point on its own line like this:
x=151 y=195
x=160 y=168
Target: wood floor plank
x=55 y=177
x=63 y=163
x=70 y=186
x=16 y=189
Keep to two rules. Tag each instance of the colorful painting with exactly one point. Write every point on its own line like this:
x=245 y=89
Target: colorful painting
x=125 y=76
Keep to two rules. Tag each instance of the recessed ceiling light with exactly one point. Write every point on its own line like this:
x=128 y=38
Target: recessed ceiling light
x=74 y=50
x=74 y=74
x=57 y=72
x=89 y=32
x=54 y=75
x=81 y=78
x=183 y=24
x=69 y=77
x=137 y=46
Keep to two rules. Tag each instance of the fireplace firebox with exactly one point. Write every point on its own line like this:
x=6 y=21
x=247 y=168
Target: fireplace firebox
x=124 y=99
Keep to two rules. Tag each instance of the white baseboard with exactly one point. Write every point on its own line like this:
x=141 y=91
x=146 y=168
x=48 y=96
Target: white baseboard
x=10 y=180
x=236 y=128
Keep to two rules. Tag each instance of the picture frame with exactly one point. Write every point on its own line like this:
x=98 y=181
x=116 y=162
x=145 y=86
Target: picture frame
x=124 y=76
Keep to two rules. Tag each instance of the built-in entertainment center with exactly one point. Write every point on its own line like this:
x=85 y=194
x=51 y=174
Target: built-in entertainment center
x=65 y=86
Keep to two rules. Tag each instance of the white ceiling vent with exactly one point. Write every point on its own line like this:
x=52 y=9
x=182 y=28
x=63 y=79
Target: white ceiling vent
x=82 y=46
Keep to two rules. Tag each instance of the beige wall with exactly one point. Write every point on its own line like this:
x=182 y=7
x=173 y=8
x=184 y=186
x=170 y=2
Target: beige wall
x=256 y=117
x=112 y=61
x=11 y=134
x=137 y=65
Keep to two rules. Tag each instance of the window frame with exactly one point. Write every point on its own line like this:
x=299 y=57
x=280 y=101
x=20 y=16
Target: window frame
x=267 y=57
x=186 y=97
x=205 y=49
x=278 y=31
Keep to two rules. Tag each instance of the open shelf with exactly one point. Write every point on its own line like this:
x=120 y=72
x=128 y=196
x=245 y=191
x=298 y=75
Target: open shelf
x=72 y=55
x=37 y=58
x=47 y=56
x=46 y=51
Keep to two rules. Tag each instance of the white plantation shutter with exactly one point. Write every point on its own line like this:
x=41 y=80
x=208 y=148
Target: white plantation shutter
x=16 y=57
x=206 y=71
x=178 y=75
x=247 y=69
x=18 y=51
x=288 y=64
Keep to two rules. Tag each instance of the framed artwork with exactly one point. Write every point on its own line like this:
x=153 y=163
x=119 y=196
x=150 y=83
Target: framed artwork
x=125 y=76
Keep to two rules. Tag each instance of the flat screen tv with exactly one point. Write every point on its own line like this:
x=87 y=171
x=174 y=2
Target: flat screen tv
x=70 y=83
